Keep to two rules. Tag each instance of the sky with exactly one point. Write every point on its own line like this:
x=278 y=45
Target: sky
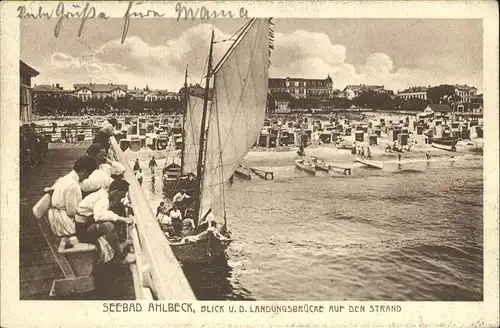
x=396 y=53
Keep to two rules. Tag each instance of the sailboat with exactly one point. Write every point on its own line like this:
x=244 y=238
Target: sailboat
x=220 y=126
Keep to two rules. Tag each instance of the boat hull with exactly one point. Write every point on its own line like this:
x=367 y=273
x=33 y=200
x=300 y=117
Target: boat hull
x=441 y=146
x=311 y=169
x=319 y=166
x=448 y=147
x=200 y=251
x=369 y=163
x=243 y=173
x=448 y=144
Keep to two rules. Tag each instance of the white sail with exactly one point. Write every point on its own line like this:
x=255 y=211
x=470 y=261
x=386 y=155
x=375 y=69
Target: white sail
x=238 y=110
x=192 y=127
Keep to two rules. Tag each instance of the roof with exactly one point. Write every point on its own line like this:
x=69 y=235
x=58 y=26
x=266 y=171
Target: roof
x=197 y=91
x=46 y=88
x=363 y=87
x=94 y=87
x=277 y=83
x=464 y=87
x=281 y=82
x=414 y=89
x=442 y=108
x=282 y=96
x=172 y=165
x=23 y=67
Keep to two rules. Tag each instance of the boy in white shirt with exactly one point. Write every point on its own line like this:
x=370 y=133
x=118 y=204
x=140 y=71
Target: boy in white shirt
x=66 y=195
x=95 y=222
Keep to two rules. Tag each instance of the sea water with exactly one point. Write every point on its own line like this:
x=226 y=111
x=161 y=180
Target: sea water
x=409 y=232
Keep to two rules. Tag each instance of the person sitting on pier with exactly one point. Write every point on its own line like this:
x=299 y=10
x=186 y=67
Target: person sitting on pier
x=106 y=167
x=107 y=130
x=66 y=194
x=95 y=220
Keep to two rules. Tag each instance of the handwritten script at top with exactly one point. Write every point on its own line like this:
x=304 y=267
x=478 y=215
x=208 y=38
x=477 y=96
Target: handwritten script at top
x=85 y=12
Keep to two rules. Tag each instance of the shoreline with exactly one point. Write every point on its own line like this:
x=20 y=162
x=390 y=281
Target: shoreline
x=332 y=154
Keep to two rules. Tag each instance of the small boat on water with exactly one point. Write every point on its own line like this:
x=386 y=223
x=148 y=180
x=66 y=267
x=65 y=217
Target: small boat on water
x=370 y=163
x=448 y=144
x=171 y=173
x=243 y=172
x=305 y=165
x=320 y=164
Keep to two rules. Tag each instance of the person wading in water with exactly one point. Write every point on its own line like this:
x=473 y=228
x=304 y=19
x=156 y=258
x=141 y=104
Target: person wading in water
x=152 y=165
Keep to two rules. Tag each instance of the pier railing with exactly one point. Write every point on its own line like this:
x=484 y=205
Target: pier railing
x=157 y=274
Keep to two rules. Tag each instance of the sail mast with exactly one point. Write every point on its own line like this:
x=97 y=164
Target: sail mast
x=184 y=111
x=200 y=164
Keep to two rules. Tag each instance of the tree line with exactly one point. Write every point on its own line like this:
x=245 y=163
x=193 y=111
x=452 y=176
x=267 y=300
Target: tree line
x=443 y=94
x=72 y=106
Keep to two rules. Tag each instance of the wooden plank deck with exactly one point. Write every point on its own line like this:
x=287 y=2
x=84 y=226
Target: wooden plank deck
x=37 y=264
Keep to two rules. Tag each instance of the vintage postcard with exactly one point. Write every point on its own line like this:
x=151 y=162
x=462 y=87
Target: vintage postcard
x=283 y=164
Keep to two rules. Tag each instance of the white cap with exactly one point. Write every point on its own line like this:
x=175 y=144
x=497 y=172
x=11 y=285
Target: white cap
x=117 y=168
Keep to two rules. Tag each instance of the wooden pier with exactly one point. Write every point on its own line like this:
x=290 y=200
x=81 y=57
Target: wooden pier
x=42 y=262
x=39 y=263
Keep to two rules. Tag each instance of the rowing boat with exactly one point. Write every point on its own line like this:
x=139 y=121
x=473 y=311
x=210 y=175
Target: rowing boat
x=370 y=163
x=320 y=164
x=243 y=172
x=305 y=165
x=445 y=143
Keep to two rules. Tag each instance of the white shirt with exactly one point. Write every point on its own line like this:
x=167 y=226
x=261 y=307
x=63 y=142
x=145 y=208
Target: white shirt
x=175 y=214
x=67 y=194
x=179 y=197
x=138 y=175
x=97 y=203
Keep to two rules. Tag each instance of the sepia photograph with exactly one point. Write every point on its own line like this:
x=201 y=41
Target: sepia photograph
x=250 y=157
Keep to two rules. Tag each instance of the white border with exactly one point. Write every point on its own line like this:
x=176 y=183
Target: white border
x=15 y=313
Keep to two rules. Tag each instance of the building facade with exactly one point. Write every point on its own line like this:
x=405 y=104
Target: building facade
x=160 y=95
x=414 y=92
x=355 y=90
x=303 y=88
x=26 y=73
x=465 y=92
x=54 y=90
x=282 y=101
x=99 y=91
